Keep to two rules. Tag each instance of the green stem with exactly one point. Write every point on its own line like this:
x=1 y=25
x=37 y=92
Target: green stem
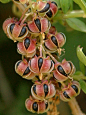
x=74 y=14
x=71 y=14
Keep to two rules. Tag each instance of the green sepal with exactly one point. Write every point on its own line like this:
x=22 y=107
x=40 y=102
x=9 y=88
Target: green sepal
x=82 y=67
x=81 y=56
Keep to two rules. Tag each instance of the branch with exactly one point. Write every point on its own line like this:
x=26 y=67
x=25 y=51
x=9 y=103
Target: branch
x=75 y=107
x=70 y=14
x=74 y=14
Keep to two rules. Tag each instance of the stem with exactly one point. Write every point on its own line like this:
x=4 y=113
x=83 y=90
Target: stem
x=26 y=9
x=44 y=55
x=70 y=14
x=24 y=12
x=52 y=57
x=74 y=14
x=25 y=18
x=48 y=76
x=40 y=76
x=53 y=106
x=41 y=50
x=41 y=43
x=75 y=107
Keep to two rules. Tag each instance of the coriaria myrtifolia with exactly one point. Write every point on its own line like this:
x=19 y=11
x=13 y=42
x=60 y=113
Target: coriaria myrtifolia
x=40 y=45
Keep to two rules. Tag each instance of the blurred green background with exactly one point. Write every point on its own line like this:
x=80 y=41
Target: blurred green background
x=13 y=89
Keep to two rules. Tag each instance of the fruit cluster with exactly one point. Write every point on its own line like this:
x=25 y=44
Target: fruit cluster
x=39 y=43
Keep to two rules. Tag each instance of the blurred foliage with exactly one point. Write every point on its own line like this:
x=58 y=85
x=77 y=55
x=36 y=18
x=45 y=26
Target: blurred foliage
x=20 y=88
x=66 y=5
x=5 y=1
x=82 y=4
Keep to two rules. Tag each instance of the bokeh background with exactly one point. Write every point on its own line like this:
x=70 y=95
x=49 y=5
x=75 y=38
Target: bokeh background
x=13 y=89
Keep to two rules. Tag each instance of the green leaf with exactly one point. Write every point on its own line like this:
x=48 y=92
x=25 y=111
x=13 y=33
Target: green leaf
x=83 y=85
x=78 y=76
x=65 y=5
x=82 y=67
x=71 y=4
x=76 y=24
x=81 y=56
x=82 y=4
x=78 y=73
x=5 y=1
